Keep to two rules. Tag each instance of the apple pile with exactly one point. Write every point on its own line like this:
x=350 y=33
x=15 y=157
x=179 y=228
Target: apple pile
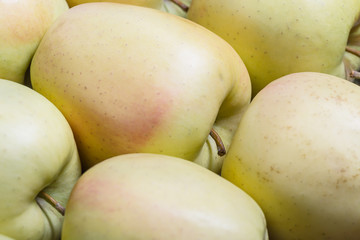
x=179 y=119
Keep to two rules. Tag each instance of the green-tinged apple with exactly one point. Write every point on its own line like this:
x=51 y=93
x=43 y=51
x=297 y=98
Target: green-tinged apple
x=39 y=164
x=22 y=25
x=177 y=7
x=276 y=38
x=133 y=79
x=149 y=196
x=296 y=152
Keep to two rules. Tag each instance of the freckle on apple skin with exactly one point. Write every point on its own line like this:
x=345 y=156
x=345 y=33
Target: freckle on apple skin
x=119 y=108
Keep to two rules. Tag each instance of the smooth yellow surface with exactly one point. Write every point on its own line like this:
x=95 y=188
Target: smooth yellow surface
x=22 y=25
x=297 y=153
x=133 y=79
x=37 y=152
x=149 y=196
x=163 y=5
x=278 y=37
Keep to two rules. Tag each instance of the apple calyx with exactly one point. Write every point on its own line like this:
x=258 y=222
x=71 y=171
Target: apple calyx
x=182 y=5
x=53 y=202
x=219 y=143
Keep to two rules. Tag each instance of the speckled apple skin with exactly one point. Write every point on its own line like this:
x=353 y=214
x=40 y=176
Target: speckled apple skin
x=150 y=196
x=37 y=153
x=133 y=79
x=275 y=38
x=22 y=25
x=296 y=152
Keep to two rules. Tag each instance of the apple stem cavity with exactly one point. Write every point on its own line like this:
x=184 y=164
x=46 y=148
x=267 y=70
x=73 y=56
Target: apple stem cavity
x=53 y=202
x=353 y=51
x=182 y=5
x=219 y=143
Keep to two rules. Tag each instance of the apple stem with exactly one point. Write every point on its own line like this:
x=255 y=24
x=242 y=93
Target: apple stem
x=54 y=203
x=219 y=143
x=182 y=5
x=355 y=74
x=353 y=51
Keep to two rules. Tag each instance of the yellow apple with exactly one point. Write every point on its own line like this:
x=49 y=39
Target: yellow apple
x=134 y=79
x=22 y=25
x=279 y=37
x=297 y=153
x=149 y=196
x=39 y=162
x=174 y=7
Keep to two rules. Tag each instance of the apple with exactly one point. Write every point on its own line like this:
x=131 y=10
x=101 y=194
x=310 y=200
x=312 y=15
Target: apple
x=22 y=25
x=39 y=164
x=133 y=79
x=176 y=7
x=276 y=38
x=152 y=196
x=296 y=152
x=157 y=4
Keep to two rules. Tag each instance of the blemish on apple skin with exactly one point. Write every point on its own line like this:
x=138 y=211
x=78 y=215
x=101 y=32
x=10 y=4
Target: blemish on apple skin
x=273 y=169
x=265 y=179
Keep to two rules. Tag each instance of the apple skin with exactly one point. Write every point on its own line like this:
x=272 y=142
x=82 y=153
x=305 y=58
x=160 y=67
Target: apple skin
x=151 y=196
x=276 y=38
x=296 y=152
x=22 y=25
x=157 y=4
x=163 y=5
x=133 y=79
x=37 y=153
x=2 y=237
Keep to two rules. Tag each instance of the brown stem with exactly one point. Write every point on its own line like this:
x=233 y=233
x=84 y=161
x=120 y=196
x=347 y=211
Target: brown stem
x=355 y=74
x=219 y=143
x=182 y=5
x=353 y=51
x=53 y=202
